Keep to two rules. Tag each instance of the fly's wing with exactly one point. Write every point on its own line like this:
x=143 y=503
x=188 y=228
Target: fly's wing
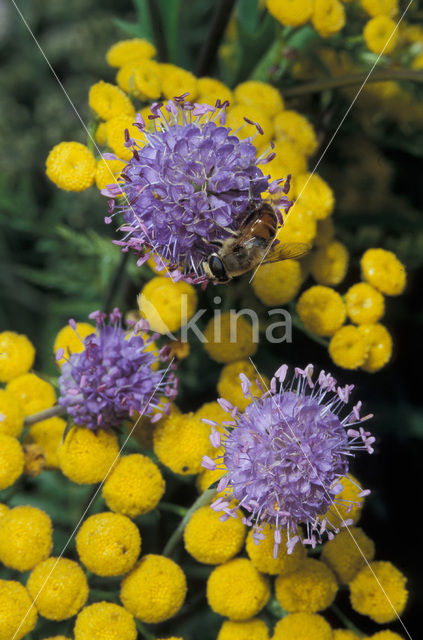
x=286 y=251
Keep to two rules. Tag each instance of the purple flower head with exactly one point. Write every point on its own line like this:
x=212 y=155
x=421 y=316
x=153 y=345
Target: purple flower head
x=286 y=454
x=115 y=375
x=191 y=182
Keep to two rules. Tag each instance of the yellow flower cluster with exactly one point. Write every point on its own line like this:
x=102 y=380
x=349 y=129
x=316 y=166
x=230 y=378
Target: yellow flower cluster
x=135 y=486
x=327 y=16
x=105 y=620
x=25 y=538
x=237 y=590
x=155 y=590
x=211 y=541
x=311 y=587
x=229 y=337
x=80 y=447
x=229 y=386
x=60 y=588
x=108 y=544
x=17 y=615
x=366 y=343
x=167 y=305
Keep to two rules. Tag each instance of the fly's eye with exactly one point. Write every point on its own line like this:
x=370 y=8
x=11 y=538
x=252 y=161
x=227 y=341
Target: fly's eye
x=217 y=268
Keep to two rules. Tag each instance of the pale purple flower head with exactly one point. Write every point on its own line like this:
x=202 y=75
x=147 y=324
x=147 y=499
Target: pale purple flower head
x=286 y=454
x=114 y=376
x=191 y=182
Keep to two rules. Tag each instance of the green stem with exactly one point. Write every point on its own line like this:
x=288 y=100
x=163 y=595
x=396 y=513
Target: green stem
x=354 y=79
x=218 y=26
x=57 y=410
x=146 y=635
x=346 y=621
x=173 y=508
x=202 y=500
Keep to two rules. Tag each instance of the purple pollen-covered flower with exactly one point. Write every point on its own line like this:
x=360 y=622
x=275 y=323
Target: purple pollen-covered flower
x=190 y=184
x=115 y=375
x=286 y=454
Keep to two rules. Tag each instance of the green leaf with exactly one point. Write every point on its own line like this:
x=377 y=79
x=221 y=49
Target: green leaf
x=170 y=12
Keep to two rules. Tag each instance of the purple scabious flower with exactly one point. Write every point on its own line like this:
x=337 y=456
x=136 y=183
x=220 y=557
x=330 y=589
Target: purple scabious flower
x=115 y=375
x=190 y=183
x=285 y=455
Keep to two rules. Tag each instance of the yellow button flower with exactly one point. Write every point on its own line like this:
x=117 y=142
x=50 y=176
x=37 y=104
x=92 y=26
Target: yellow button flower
x=365 y=305
x=329 y=264
x=211 y=541
x=299 y=626
x=11 y=414
x=348 y=504
x=108 y=544
x=379 y=591
x=261 y=95
x=380 y=34
x=176 y=81
x=17 y=614
x=129 y=50
x=261 y=555
x=379 y=345
x=291 y=125
x=237 y=590
x=254 y=628
x=229 y=384
x=290 y=13
x=328 y=17
x=213 y=410
x=107 y=172
x=146 y=81
x=347 y=348
x=105 y=621
x=115 y=132
x=291 y=156
x=135 y=486
x=384 y=635
x=11 y=460
x=48 y=434
x=235 y=121
x=16 y=355
x=71 y=166
x=229 y=337
x=277 y=282
x=210 y=90
x=315 y=194
x=143 y=432
x=60 y=588
x=348 y=552
x=181 y=441
x=25 y=538
x=86 y=457
x=32 y=393
x=311 y=587
x=167 y=305
x=380 y=7
x=299 y=226
x=155 y=590
x=108 y=101
x=100 y=135
x=384 y=271
x=141 y=78
x=322 y=310
x=72 y=341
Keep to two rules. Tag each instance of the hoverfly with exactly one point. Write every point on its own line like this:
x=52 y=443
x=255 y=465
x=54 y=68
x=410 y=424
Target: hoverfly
x=251 y=247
